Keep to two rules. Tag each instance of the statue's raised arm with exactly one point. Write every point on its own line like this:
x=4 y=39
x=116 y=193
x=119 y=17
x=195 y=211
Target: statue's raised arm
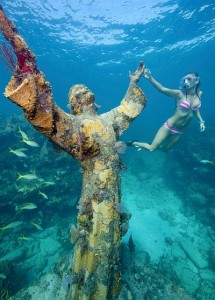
x=131 y=106
x=29 y=89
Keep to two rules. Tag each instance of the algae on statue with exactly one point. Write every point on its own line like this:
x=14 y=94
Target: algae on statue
x=91 y=139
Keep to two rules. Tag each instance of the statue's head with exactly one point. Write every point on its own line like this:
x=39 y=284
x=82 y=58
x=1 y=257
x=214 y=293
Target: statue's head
x=81 y=99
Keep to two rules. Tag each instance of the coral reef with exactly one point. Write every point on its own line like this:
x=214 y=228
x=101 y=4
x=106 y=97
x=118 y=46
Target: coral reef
x=147 y=281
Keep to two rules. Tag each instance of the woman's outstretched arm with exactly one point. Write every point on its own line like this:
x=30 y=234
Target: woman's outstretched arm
x=159 y=86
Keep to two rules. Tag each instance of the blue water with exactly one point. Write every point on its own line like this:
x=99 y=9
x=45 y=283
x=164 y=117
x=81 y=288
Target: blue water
x=96 y=43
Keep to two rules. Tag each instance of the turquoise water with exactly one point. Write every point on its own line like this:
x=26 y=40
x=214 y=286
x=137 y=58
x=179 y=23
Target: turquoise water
x=96 y=43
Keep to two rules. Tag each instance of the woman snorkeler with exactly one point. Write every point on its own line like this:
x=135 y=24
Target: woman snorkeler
x=188 y=103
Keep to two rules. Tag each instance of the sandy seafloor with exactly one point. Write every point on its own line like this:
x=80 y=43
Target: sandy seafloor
x=162 y=226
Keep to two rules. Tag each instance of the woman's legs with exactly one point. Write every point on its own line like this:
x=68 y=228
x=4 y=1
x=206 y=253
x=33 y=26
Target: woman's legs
x=160 y=136
x=165 y=134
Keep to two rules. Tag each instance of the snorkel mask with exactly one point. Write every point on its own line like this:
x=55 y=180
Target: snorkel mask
x=188 y=81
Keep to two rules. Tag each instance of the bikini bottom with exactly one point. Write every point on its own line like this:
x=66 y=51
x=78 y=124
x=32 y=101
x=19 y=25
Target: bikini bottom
x=172 y=129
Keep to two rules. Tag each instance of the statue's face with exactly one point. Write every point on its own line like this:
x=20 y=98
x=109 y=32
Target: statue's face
x=80 y=97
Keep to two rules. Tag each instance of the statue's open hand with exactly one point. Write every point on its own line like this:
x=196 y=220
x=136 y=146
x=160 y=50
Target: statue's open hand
x=135 y=77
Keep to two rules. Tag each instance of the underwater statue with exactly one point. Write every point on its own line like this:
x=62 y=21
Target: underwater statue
x=92 y=140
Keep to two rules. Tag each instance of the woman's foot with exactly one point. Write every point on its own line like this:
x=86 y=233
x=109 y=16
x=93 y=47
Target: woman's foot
x=131 y=143
x=142 y=145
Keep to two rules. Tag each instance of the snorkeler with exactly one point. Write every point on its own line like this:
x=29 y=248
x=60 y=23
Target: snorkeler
x=188 y=103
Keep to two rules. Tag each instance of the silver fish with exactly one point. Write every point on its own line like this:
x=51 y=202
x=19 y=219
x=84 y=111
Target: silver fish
x=23 y=134
x=30 y=143
x=43 y=194
x=18 y=152
x=206 y=161
x=11 y=225
x=37 y=226
x=2 y=276
x=29 y=176
x=26 y=206
x=48 y=183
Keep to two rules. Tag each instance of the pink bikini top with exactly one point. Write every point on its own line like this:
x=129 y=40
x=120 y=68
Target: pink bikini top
x=185 y=105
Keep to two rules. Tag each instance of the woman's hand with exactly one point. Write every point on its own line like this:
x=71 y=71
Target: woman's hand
x=147 y=73
x=202 y=126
